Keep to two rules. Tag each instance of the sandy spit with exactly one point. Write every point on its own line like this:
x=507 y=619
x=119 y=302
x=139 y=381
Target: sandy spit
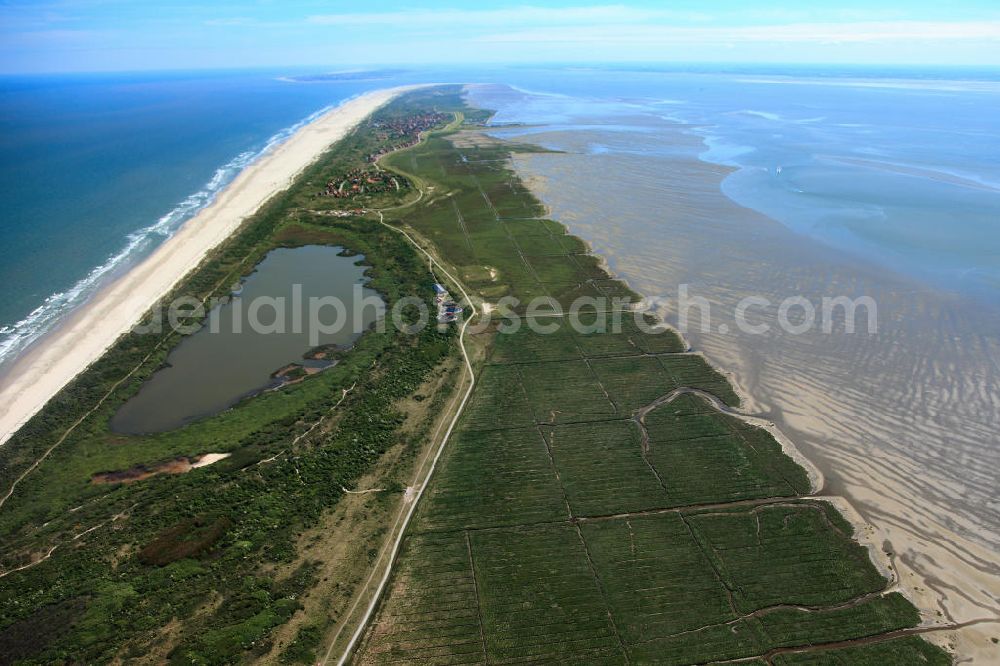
x=56 y=359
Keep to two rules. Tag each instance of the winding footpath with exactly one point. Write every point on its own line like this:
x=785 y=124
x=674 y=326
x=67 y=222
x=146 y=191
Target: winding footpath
x=413 y=498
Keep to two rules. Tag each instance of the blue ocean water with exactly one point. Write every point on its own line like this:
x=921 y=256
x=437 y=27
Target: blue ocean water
x=97 y=170
x=899 y=166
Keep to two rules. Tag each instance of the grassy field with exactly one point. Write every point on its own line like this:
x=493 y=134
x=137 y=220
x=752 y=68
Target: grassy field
x=209 y=566
x=595 y=506
x=592 y=506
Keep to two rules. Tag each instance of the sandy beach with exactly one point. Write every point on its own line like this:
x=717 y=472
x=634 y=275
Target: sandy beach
x=63 y=353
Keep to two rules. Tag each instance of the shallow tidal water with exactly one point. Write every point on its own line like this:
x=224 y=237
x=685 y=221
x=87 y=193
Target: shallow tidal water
x=211 y=370
x=904 y=422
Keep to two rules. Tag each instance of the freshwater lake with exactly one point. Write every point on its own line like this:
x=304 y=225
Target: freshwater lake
x=215 y=367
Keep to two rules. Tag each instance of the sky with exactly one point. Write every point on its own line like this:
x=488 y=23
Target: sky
x=116 y=35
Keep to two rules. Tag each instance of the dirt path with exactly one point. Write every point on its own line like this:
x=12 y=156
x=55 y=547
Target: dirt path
x=73 y=426
x=415 y=491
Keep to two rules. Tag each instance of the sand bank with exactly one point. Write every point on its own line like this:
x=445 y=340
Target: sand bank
x=62 y=354
x=902 y=425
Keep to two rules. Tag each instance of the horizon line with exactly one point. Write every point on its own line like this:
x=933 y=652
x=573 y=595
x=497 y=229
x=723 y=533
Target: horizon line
x=415 y=68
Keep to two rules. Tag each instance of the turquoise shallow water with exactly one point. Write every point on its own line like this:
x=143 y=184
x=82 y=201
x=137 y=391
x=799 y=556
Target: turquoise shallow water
x=881 y=188
x=771 y=181
x=899 y=166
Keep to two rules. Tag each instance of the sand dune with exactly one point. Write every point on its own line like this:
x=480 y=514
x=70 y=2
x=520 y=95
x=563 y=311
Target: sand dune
x=61 y=355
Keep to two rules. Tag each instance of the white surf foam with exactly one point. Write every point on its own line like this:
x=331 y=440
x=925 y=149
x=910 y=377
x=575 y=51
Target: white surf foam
x=16 y=337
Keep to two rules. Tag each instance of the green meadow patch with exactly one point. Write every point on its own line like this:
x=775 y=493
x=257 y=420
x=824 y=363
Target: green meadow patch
x=594 y=505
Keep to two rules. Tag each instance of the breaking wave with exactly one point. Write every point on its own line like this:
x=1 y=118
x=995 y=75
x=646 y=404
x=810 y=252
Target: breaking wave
x=18 y=336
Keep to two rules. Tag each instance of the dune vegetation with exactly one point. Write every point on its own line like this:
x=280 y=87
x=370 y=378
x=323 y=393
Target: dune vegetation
x=600 y=501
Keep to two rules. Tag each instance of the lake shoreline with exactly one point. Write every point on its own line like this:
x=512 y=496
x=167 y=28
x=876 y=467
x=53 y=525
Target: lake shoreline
x=58 y=357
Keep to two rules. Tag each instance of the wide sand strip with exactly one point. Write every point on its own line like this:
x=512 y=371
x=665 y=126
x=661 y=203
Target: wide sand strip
x=76 y=343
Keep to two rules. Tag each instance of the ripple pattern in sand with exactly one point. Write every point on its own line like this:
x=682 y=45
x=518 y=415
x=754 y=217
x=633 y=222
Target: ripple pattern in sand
x=903 y=423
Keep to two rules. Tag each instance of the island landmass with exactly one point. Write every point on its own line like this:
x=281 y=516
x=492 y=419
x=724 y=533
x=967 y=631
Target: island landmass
x=465 y=494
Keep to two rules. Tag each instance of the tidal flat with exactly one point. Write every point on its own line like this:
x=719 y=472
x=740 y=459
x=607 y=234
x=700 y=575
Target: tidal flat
x=901 y=422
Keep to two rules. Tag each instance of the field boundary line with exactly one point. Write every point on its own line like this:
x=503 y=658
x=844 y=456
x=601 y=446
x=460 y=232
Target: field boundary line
x=602 y=592
x=475 y=587
x=864 y=640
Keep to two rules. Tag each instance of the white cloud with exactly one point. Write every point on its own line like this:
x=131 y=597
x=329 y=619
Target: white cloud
x=612 y=25
x=524 y=15
x=815 y=33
